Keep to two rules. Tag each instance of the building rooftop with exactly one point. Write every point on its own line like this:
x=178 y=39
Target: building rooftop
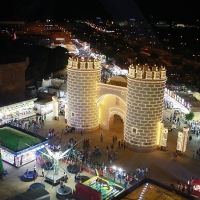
x=118 y=81
x=195 y=104
x=151 y=189
x=16 y=140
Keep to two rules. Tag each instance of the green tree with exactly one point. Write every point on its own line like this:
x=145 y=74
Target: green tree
x=154 y=55
x=176 y=61
x=136 y=48
x=189 y=116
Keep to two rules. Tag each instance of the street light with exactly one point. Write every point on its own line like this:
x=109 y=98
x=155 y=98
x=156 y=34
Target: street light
x=195 y=57
x=166 y=40
x=96 y=43
x=114 y=168
x=117 y=54
x=183 y=44
x=120 y=171
x=170 y=49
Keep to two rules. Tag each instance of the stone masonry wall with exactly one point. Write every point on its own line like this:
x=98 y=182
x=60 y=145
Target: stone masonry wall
x=144 y=112
x=82 y=98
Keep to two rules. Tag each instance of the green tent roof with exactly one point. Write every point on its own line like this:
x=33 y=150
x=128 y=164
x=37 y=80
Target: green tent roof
x=1 y=164
x=16 y=140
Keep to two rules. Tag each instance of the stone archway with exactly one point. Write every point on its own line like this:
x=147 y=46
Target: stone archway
x=116 y=124
x=109 y=105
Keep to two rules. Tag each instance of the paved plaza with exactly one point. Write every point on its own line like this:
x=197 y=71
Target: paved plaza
x=160 y=163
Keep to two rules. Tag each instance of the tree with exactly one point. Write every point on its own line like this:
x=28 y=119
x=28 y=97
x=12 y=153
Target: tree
x=189 y=116
x=136 y=48
x=154 y=55
x=176 y=61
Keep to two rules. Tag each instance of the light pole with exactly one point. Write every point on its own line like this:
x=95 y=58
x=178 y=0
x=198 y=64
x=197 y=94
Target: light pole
x=84 y=36
x=96 y=43
x=183 y=44
x=120 y=174
x=166 y=40
x=170 y=49
x=117 y=54
x=195 y=57
x=114 y=168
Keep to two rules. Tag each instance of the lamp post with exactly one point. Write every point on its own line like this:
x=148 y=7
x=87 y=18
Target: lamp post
x=183 y=44
x=120 y=175
x=170 y=49
x=119 y=170
x=195 y=57
x=84 y=36
x=114 y=168
x=117 y=54
x=96 y=43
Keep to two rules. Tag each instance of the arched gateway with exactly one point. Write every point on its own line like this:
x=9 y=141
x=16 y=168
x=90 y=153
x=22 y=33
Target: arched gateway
x=138 y=100
x=116 y=124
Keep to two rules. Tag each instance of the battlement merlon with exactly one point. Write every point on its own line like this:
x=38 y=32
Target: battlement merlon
x=84 y=63
x=144 y=72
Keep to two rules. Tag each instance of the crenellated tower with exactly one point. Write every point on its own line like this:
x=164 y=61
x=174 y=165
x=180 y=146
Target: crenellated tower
x=83 y=77
x=145 y=95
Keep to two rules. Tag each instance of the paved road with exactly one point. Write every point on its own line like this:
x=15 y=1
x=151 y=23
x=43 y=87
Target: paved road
x=160 y=163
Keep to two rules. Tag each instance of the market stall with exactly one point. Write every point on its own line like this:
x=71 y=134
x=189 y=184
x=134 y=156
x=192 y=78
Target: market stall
x=43 y=107
x=19 y=110
x=173 y=100
x=18 y=146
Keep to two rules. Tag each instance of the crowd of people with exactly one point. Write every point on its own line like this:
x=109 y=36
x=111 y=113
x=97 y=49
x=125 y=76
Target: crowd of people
x=185 y=188
x=86 y=154
x=33 y=124
x=196 y=154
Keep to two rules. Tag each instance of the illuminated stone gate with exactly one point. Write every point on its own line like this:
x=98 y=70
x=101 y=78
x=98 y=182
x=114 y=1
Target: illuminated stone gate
x=137 y=99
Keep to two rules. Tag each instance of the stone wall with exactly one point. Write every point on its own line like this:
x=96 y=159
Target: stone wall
x=144 y=113
x=82 y=97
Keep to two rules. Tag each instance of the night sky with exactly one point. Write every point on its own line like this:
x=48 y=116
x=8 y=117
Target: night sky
x=176 y=10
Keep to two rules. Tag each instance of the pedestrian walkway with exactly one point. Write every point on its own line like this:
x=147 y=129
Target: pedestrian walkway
x=160 y=163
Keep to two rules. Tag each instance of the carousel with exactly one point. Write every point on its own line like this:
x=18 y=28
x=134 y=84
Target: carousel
x=54 y=169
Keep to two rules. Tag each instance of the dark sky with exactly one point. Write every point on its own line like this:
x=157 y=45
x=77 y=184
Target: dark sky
x=171 y=10
x=176 y=10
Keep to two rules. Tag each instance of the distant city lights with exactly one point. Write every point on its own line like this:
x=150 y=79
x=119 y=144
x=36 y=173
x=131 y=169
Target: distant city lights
x=98 y=28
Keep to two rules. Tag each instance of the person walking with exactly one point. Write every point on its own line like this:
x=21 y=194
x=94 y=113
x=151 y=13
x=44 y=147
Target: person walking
x=190 y=138
x=119 y=144
x=34 y=169
x=101 y=138
x=107 y=149
x=66 y=178
x=27 y=172
x=42 y=172
x=34 y=176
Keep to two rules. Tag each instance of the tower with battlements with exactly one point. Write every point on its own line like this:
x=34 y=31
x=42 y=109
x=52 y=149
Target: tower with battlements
x=82 y=87
x=145 y=95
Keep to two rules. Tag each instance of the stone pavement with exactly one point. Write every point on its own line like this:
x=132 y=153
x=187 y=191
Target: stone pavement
x=161 y=166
